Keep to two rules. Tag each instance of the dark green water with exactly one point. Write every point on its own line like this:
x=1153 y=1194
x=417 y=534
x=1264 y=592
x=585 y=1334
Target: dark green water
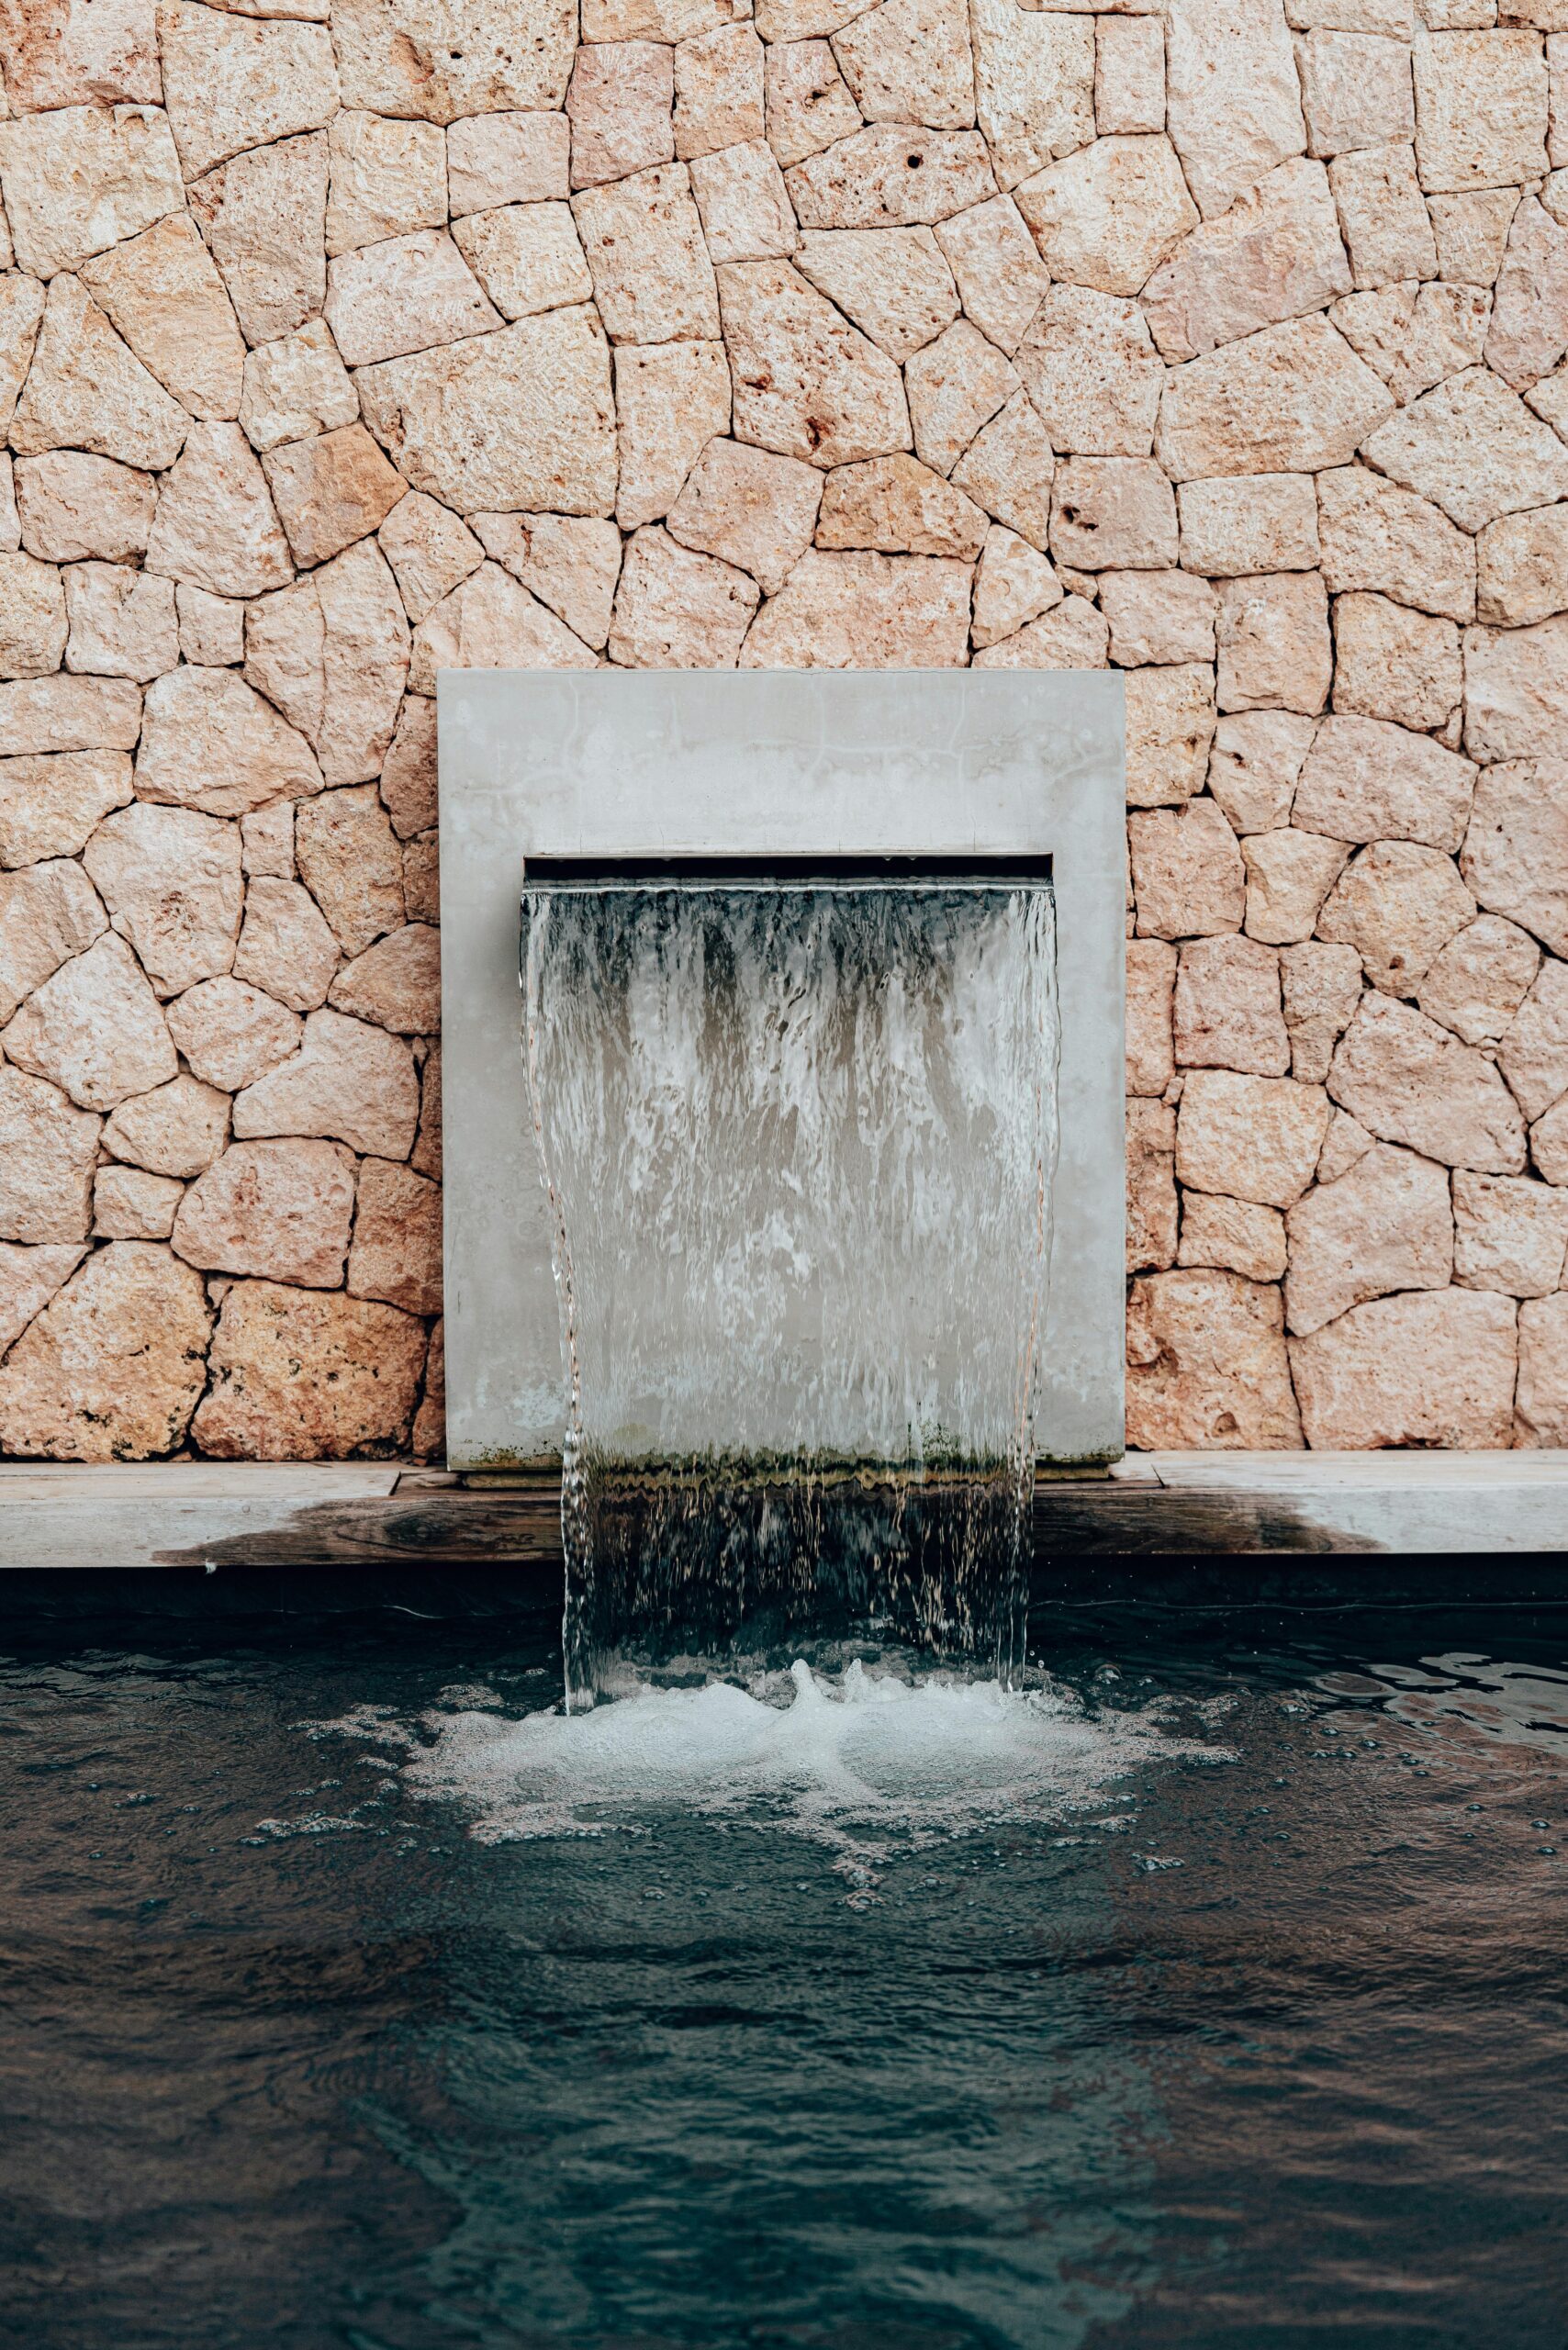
x=1265 y=2051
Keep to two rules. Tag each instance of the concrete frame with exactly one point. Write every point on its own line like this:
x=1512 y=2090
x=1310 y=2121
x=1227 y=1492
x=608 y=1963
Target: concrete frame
x=641 y=764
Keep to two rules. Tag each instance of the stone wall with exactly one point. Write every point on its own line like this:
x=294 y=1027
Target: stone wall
x=1221 y=341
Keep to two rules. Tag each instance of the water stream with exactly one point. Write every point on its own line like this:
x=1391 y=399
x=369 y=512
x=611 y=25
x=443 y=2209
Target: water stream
x=798 y=1143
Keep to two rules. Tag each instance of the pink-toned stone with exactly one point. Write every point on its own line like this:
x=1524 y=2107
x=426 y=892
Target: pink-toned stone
x=1377 y=536
x=1346 y=1141
x=308 y=1375
x=1108 y=216
x=278 y=1209
x=430 y=552
x=1151 y=1187
x=1233 y=101
x=421 y=879
x=1522 y=567
x=1151 y=980
x=1169 y=726
x=506 y=158
x=348 y=857
x=1013 y=584
x=389 y=179
x=864 y=612
x=286 y=946
x=1472 y=232
x=210 y=743
x=491 y=622
x=331 y=490
x=1548 y=1144
x=1433 y=1368
x=122 y=622
x=408 y=776
x=891 y=176
x=171 y=880
x=332 y=653
x=29 y=1278
x=806 y=384
x=678 y=610
x=1009 y=468
x=231 y=1033
x=1542 y=1398
x=908 y=60
x=808 y=103
x=751 y=508
x=1000 y=275
x=671 y=400
x=396 y=1240
x=130 y=1204
x=1509 y=1235
x=1478 y=982
x=1034 y=85
x=1234 y=1236
x=396 y=983
x=1227 y=1012
x=1159 y=617
x=72 y=507
x=211 y=628
x=618 y=104
x=1528 y=332
x=718 y=91
x=1206 y=1365
x=215 y=526
x=1250 y=1137
x=1129 y=75
x=1385 y=1225
x=1291 y=398
x=263 y=218
x=425 y=1157
x=1409 y=1080
x=229 y=83
x=1072 y=635
x=32 y=617
x=426 y=58
x=742 y=204
x=899 y=507
x=1356 y=91
x=348 y=1083
x=1472 y=447
x=49 y=806
x=79 y=52
x=295 y=388
x=894 y=283
x=1385 y=222
x=1515 y=691
x=1533 y=1053
x=1481 y=109
x=42 y=714
x=84 y=177
x=1113 y=513
x=1395 y=663
x=1255 y=523
x=1254 y=765
x=1365 y=779
x=1275 y=254
x=1516 y=851
x=162 y=294
x=112 y=1368
x=1188 y=879
x=1321 y=987
x=528 y=257
x=47 y=1150
x=651 y=277
x=1398 y=904
x=1274 y=643
x=954 y=386
x=570 y=563
x=94 y=1029
x=430 y=1420
x=49 y=912
x=267 y=841
x=1093 y=373
x=175 y=1130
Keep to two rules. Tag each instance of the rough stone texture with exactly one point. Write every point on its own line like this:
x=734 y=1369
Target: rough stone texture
x=162 y=293
x=1273 y=646
x=72 y=507
x=1509 y=1235
x=171 y=880
x=1188 y=877
x=130 y=1204
x=1320 y=986
x=1384 y=1224
x=1289 y=875
x=84 y=178
x=900 y=506
x=1255 y=766
x=294 y=387
x=864 y=612
x=111 y=1369
x=51 y=806
x=1275 y=254
x=29 y=1278
x=263 y=217
x=807 y=384
x=348 y=1082
x=1265 y=522
x=231 y=1033
x=1473 y=448
x=210 y=743
x=1151 y=1187
x=47 y=1150
x=396 y=1239
x=279 y=1209
x=286 y=946
x=307 y=1375
x=1409 y=1080
x=1291 y=398
x=1234 y=1235
x=1206 y=1365
x=1250 y=1137
x=1228 y=1013
x=1159 y=617
x=1092 y=372
x=1478 y=982
x=1151 y=978
x=94 y=1028
x=1515 y=856
x=1170 y=725
x=1433 y=1368
x=1233 y=102
x=1365 y=779
x=1398 y=904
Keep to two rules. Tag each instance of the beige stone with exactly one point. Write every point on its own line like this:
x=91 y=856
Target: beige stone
x=570 y=563
x=1291 y=398
x=1274 y=643
x=1479 y=109
x=396 y=1240
x=68 y=715
x=332 y=653
x=388 y=179
x=1108 y=216
x=348 y=1083
x=29 y=1278
x=409 y=294
x=954 y=386
x=295 y=388
x=1289 y=874
x=231 y=1033
x=286 y=946
x=808 y=102
x=430 y=552
x=47 y=1150
x=1377 y=537
x=742 y=204
x=899 y=507
x=1129 y=75
x=1356 y=91
x=671 y=400
x=894 y=283
x=348 y=857
x=1233 y=104
x=130 y=1204
x=1092 y=372
x=718 y=91
x=1533 y=1053
x=1234 y=1235
x=807 y=384
x=439 y=60
x=864 y=612
x=94 y=1028
x=263 y=217
x=1008 y=469
x=1188 y=879
x=49 y=912
x=1206 y=1365
x=1472 y=232
x=162 y=295
x=280 y=1209
x=408 y=773
x=1385 y=1226
x=1253 y=767
x=523 y=419
x=49 y=806
x=21 y=312
x=1365 y=779
x=229 y=83
x=396 y=983
x=425 y=1157
x=676 y=609
x=1522 y=567
x=1509 y=1235
x=1432 y=1368
x=1528 y=332
x=1034 y=85
x=171 y=880
x=430 y=1420
x=215 y=526
x=1276 y=254
x=1151 y=979
x=421 y=880
x=1516 y=701
x=267 y=842
x=331 y=490
x=908 y=60
x=1344 y=1144
x=1169 y=726
x=1113 y=513
x=1480 y=977
x=211 y=628
x=643 y=242
x=1394 y=664
x=507 y=158
x=177 y=1130
x=80 y=178
x=1151 y=1187
x=73 y=507
x=1248 y=524
x=1250 y=1137
x=998 y=272
x=1320 y=986
x=528 y=257
x=1013 y=584
x=1410 y=1081
x=1384 y=222
x=491 y=622
x=1548 y=1144
x=32 y=617
x=1228 y=1013
x=1398 y=904
x=122 y=622
x=1516 y=851
x=1473 y=448
x=1162 y=617
x=1542 y=1398
x=210 y=743
x=1072 y=635
x=112 y=1368
x=79 y=52
x=751 y=508
x=1415 y=336
x=888 y=176
x=86 y=390
x=301 y=1375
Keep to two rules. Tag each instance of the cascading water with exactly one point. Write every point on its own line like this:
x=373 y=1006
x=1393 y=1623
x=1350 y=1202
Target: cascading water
x=798 y=1143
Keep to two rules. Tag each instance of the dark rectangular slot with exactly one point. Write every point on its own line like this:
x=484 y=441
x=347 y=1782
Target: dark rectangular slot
x=781 y=872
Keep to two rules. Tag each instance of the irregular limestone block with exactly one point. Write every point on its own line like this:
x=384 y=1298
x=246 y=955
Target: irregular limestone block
x=1522 y=567
x=752 y=509
x=491 y=622
x=1516 y=700
x=1542 y=1398
x=742 y=204
x=51 y=806
x=280 y=1209
x=47 y=1151
x=1188 y=877
x=388 y=179
x=1162 y=617
x=396 y=1252
x=177 y=1130
x=808 y=105
x=1479 y=109
x=1478 y=982
x=348 y=1083
x=231 y=83
x=408 y=773
x=496 y=159
x=888 y=176
x=718 y=91
x=899 y=507
x=1129 y=75
x=1169 y=726
x=68 y=715
x=267 y=841
x=1233 y=102
x=677 y=609
x=347 y=855
x=396 y=983
x=164 y=296
x=1379 y=538
x=21 y=310
x=894 y=283
x=285 y=945
x=1385 y=1225
x=807 y=384
x=619 y=104
x=333 y=654
x=1206 y=1365
x=909 y=60
x=230 y=1034
x=1434 y=1368
x=80 y=52
x=1034 y=85
x=1528 y=332
x=421 y=879
x=1234 y=1235
x=651 y=277
x=1013 y=584
x=1250 y=1137
x=430 y=552
x=210 y=743
x=32 y=617
x=438 y=60
x=29 y=1278
x=263 y=217
x=1364 y=780
x=1228 y=1013
x=215 y=526
x=94 y=1029
x=528 y=257
x=864 y=612
x=569 y=562
x=1108 y=216
x=1071 y=636
x=48 y=914
x=999 y=273
x=1533 y=1054
x=1009 y=468
x=1094 y=374
x=522 y=418
x=81 y=178
x=1320 y=986
x=330 y=491
x=1395 y=663
x=671 y=400
x=1151 y=1187
x=1291 y=398
x=1409 y=1080
x=308 y=1375
x=1289 y=874
x=171 y=880
x=130 y=1204
x=1516 y=851
x=86 y=390
x=1415 y=336
x=1113 y=513
x=1273 y=646
x=1471 y=233
x=954 y=386
x=1254 y=768
x=1385 y=223
x=411 y=294
x=294 y=387
x=112 y=1368
x=73 y=507
x=1473 y=448
x=1248 y=524
x=425 y=1157
x=1509 y=1235
x=122 y=622
x=1275 y=254
x=1151 y=980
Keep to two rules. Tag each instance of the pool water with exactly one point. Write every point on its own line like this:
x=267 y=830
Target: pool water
x=1214 y=1990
